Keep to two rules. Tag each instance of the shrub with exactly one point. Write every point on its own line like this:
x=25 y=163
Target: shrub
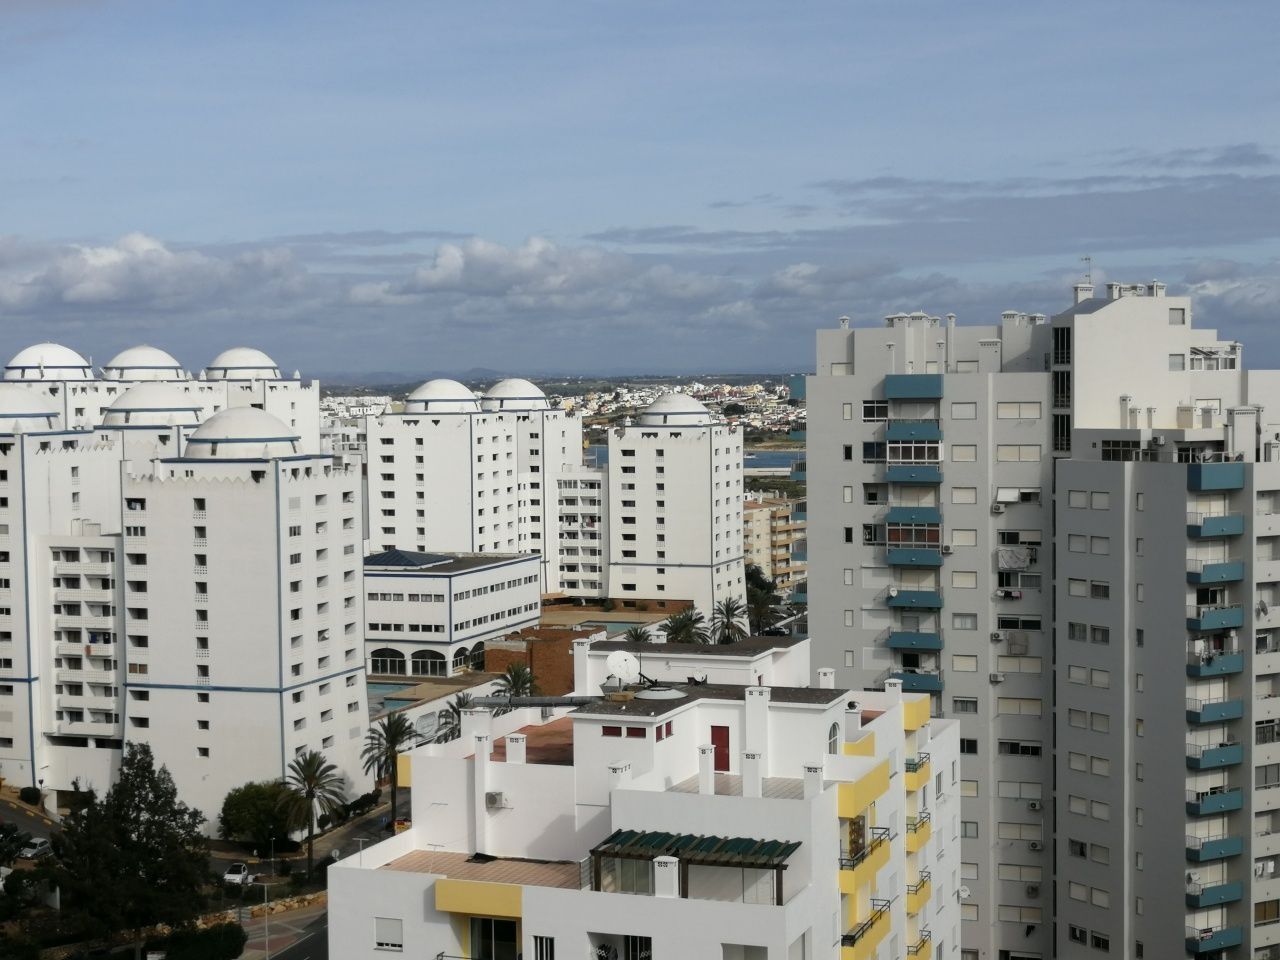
x=286 y=868
x=30 y=795
x=225 y=941
x=607 y=605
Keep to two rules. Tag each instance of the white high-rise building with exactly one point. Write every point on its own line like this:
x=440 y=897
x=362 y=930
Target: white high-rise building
x=1062 y=528
x=191 y=581
x=675 y=506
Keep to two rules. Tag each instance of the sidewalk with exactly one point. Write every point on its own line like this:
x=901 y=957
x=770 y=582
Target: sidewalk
x=287 y=929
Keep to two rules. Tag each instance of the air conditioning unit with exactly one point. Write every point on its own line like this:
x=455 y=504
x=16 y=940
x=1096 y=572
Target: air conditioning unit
x=996 y=678
x=495 y=800
x=1035 y=845
x=1033 y=890
x=997 y=636
x=893 y=591
x=1158 y=440
x=946 y=549
x=997 y=508
x=1034 y=805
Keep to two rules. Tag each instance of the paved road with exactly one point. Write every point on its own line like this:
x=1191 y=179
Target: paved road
x=296 y=935
x=27 y=819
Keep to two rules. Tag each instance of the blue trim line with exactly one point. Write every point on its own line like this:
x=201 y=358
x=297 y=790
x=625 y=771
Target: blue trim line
x=234 y=689
x=280 y=559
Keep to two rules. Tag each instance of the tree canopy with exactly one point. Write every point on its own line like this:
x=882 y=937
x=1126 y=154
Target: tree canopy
x=256 y=813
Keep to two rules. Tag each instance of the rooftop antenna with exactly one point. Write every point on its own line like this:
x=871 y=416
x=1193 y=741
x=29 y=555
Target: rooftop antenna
x=1088 y=268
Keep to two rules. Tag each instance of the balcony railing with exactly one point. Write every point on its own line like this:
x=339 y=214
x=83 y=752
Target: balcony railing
x=917 y=824
x=921 y=945
x=879 y=836
x=917 y=763
x=879 y=908
x=921 y=882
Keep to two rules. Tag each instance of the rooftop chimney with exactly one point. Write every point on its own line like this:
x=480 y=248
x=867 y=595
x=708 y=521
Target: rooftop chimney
x=516 y=747
x=1084 y=291
x=707 y=769
x=812 y=780
x=893 y=687
x=827 y=678
x=752 y=775
x=666 y=877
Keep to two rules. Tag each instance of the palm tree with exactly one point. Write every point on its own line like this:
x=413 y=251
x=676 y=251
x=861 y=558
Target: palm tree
x=313 y=783
x=727 y=618
x=636 y=634
x=451 y=718
x=687 y=626
x=381 y=746
x=760 y=604
x=517 y=681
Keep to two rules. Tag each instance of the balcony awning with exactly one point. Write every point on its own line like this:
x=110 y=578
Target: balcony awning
x=692 y=848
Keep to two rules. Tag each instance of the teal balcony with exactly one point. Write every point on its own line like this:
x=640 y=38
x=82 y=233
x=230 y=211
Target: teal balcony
x=800 y=593
x=1227 y=754
x=913 y=386
x=913 y=515
x=1211 y=895
x=919 y=681
x=1204 y=849
x=916 y=600
x=907 y=640
x=1212 y=939
x=1225 y=617
x=1214 y=711
x=800 y=512
x=1202 y=526
x=800 y=550
x=1201 y=572
x=1209 y=804
x=917 y=473
x=796 y=386
x=1215 y=476
x=799 y=471
x=913 y=430
x=800 y=435
x=914 y=557
x=1219 y=664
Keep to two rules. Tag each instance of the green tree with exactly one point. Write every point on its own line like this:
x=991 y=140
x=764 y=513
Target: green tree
x=687 y=626
x=760 y=613
x=12 y=840
x=315 y=787
x=756 y=580
x=382 y=745
x=451 y=718
x=134 y=858
x=728 y=618
x=517 y=681
x=636 y=634
x=255 y=813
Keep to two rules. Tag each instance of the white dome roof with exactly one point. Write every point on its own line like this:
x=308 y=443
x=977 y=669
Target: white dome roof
x=23 y=410
x=514 y=394
x=241 y=433
x=242 y=363
x=143 y=363
x=48 y=361
x=153 y=405
x=442 y=396
x=675 y=410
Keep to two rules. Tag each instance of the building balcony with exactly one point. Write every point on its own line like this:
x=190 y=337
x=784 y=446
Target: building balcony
x=799 y=471
x=913 y=386
x=1214 y=711
x=84 y=649
x=1212 y=939
x=1216 y=664
x=913 y=473
x=915 y=599
x=909 y=640
x=919 y=830
x=1204 y=477
x=83 y=568
x=1211 y=895
x=1201 y=572
x=800 y=512
x=1218 y=617
x=914 y=557
x=800 y=435
x=913 y=430
x=1203 y=526
x=918 y=681
x=1204 y=849
x=917 y=772
x=913 y=515
x=922 y=949
x=858 y=869
x=862 y=941
x=1225 y=754
x=85 y=676
x=918 y=893
x=1209 y=804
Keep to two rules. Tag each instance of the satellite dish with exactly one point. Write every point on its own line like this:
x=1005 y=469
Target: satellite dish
x=964 y=892
x=624 y=666
x=427 y=725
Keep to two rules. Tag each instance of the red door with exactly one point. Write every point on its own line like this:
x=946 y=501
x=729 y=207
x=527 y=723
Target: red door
x=720 y=740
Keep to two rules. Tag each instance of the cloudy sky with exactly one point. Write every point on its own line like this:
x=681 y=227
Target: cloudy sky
x=620 y=187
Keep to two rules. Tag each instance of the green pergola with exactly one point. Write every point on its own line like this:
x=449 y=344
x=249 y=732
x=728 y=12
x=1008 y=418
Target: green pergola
x=694 y=849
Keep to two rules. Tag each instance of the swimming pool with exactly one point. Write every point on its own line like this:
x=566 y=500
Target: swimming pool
x=379 y=693
x=613 y=626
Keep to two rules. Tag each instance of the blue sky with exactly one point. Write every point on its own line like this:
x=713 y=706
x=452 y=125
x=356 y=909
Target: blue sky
x=609 y=187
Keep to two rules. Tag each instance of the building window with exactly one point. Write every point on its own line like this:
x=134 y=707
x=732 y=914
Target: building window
x=388 y=933
x=833 y=739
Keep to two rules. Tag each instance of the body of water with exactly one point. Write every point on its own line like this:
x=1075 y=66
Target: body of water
x=752 y=458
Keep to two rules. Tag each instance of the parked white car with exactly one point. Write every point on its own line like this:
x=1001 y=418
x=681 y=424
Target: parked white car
x=238 y=874
x=35 y=849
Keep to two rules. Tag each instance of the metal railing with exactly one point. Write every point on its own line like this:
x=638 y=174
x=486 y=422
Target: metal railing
x=1196 y=843
x=917 y=763
x=879 y=836
x=878 y=910
x=1197 y=566
x=921 y=882
x=1198 y=749
x=921 y=945
x=1198 y=612
x=916 y=824
x=1206 y=657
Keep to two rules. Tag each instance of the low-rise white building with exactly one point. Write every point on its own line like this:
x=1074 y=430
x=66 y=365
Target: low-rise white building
x=430 y=614
x=690 y=820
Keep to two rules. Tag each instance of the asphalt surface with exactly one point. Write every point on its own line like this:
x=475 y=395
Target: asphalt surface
x=27 y=819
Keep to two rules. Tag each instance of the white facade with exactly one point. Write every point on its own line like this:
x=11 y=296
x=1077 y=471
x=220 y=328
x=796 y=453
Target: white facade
x=675 y=506
x=837 y=857
x=191 y=582
x=430 y=615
